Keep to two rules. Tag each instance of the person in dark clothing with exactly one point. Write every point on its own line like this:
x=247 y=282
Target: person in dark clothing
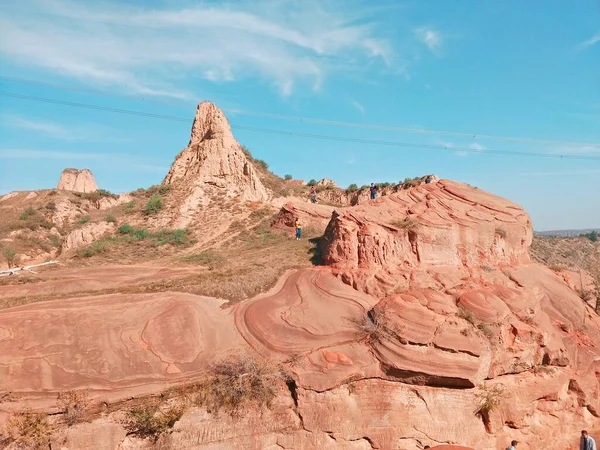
x=373 y=190
x=428 y=179
x=586 y=442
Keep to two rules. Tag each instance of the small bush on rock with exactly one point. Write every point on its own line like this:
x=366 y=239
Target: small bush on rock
x=10 y=256
x=154 y=205
x=28 y=430
x=73 y=405
x=151 y=421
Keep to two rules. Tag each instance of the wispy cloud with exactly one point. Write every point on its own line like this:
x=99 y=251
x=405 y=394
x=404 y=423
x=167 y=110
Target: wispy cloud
x=54 y=130
x=430 y=37
x=358 y=106
x=477 y=147
x=591 y=41
x=40 y=154
x=150 y=51
x=351 y=161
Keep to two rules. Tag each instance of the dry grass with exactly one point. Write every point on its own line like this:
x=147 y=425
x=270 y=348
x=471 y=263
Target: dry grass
x=404 y=224
x=376 y=328
x=467 y=315
x=150 y=420
x=500 y=232
x=73 y=405
x=236 y=384
x=28 y=430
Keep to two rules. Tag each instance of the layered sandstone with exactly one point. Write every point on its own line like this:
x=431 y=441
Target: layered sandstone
x=77 y=181
x=212 y=166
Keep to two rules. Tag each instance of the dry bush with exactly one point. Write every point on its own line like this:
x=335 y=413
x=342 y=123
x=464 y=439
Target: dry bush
x=29 y=430
x=375 y=326
x=238 y=383
x=150 y=420
x=209 y=258
x=73 y=405
x=488 y=400
x=486 y=330
x=467 y=315
x=404 y=224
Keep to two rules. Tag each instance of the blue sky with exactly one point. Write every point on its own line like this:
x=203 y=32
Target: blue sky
x=500 y=68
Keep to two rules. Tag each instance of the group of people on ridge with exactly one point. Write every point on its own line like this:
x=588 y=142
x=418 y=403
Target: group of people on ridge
x=586 y=442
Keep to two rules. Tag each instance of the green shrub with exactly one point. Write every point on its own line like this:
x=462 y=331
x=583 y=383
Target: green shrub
x=111 y=219
x=126 y=229
x=10 y=256
x=84 y=219
x=129 y=207
x=287 y=177
x=154 y=205
x=177 y=237
x=105 y=193
x=29 y=212
x=352 y=188
x=312 y=182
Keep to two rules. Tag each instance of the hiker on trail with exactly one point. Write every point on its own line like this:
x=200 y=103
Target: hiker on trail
x=373 y=190
x=587 y=442
x=428 y=179
x=512 y=446
x=313 y=194
x=298 y=226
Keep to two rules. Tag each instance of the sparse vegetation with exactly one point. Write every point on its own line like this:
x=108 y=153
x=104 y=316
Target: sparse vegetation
x=489 y=400
x=10 y=256
x=592 y=236
x=154 y=205
x=84 y=220
x=486 y=330
x=287 y=177
x=352 y=188
x=73 y=405
x=262 y=163
x=467 y=315
x=95 y=196
x=29 y=212
x=404 y=224
x=312 y=182
x=208 y=258
x=375 y=326
x=161 y=237
x=94 y=248
x=29 y=430
x=411 y=182
x=129 y=207
x=238 y=383
x=111 y=219
x=151 y=421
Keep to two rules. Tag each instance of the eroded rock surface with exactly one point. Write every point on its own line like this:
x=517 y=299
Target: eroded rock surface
x=213 y=166
x=77 y=181
x=429 y=310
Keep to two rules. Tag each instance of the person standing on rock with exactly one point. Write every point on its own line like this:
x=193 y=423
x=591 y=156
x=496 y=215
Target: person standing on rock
x=298 y=226
x=373 y=190
x=513 y=445
x=313 y=194
x=587 y=442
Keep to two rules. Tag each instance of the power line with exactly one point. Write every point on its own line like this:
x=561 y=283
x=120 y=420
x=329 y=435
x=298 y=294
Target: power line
x=317 y=121
x=292 y=133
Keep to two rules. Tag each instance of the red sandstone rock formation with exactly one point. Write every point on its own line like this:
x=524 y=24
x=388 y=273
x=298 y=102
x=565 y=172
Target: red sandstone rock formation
x=77 y=180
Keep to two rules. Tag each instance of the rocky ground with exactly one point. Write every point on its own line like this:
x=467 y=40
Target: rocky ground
x=186 y=316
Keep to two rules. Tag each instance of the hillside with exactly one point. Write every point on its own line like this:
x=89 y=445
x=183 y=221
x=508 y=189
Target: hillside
x=187 y=316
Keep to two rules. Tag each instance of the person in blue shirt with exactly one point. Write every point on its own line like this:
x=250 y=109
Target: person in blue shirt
x=586 y=442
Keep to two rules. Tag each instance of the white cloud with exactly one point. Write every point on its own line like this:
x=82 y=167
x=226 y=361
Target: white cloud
x=430 y=37
x=358 y=106
x=79 y=132
x=477 y=147
x=591 y=41
x=40 y=154
x=153 y=51
x=351 y=161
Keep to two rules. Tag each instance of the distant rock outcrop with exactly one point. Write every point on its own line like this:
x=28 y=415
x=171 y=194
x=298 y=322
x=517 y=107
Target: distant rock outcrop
x=213 y=165
x=77 y=180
